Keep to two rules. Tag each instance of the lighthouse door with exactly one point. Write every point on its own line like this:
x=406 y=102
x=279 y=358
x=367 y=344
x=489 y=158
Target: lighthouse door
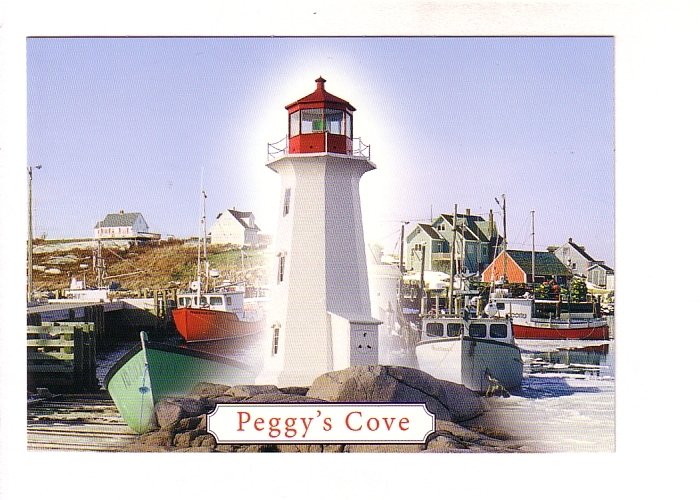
x=364 y=349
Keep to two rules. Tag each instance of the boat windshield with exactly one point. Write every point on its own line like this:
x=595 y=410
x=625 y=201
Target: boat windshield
x=498 y=331
x=434 y=330
x=477 y=330
x=455 y=329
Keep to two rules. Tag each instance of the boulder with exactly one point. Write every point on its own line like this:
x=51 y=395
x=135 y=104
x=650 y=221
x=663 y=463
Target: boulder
x=171 y=410
x=208 y=390
x=397 y=384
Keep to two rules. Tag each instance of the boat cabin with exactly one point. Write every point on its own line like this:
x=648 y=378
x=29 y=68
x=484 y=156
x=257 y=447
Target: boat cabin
x=218 y=301
x=524 y=309
x=477 y=328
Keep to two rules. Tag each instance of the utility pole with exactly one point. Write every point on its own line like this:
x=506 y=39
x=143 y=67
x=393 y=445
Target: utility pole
x=30 y=246
x=452 y=261
x=422 y=279
x=402 y=269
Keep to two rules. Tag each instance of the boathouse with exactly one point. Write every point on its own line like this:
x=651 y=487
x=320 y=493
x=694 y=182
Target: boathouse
x=517 y=265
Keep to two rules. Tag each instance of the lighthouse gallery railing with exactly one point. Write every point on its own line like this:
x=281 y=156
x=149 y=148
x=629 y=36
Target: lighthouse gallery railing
x=281 y=148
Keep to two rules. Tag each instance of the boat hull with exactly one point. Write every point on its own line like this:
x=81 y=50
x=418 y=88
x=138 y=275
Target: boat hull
x=199 y=325
x=562 y=331
x=472 y=362
x=141 y=378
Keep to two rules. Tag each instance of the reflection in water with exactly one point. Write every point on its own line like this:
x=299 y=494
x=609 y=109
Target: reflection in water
x=592 y=360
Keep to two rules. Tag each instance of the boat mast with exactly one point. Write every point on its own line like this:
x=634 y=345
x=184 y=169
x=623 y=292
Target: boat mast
x=204 y=229
x=505 y=239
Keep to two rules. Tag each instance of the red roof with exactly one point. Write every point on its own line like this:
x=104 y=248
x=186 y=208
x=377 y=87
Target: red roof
x=320 y=96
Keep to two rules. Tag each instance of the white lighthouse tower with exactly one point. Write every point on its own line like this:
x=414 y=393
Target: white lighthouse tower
x=320 y=311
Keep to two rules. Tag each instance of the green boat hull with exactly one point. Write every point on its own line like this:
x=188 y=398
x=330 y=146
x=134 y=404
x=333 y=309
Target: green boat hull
x=141 y=378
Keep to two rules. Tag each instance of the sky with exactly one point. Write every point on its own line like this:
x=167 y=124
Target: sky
x=138 y=124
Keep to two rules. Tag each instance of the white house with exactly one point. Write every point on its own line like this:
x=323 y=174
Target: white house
x=233 y=227
x=122 y=225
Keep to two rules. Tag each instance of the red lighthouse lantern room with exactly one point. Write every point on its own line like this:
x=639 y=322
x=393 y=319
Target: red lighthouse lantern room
x=320 y=123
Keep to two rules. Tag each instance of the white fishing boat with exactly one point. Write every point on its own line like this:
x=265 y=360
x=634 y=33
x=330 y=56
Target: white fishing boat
x=479 y=353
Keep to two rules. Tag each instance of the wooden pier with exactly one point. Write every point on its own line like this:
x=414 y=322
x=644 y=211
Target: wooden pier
x=62 y=354
x=79 y=422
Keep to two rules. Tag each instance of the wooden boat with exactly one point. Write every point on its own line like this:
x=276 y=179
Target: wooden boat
x=216 y=315
x=544 y=320
x=152 y=371
x=479 y=353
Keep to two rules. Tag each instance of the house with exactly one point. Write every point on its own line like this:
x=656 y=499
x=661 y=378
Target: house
x=601 y=275
x=518 y=268
x=123 y=225
x=475 y=240
x=233 y=227
x=579 y=262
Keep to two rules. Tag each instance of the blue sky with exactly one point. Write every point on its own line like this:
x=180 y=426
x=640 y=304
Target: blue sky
x=131 y=123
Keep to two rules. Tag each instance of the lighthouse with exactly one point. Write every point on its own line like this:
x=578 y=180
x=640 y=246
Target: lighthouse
x=320 y=310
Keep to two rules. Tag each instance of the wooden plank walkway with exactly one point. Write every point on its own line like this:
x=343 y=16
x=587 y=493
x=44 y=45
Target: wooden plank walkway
x=77 y=422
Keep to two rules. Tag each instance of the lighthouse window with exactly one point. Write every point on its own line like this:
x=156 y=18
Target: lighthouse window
x=294 y=122
x=275 y=340
x=280 y=270
x=334 y=121
x=348 y=125
x=287 y=198
x=311 y=121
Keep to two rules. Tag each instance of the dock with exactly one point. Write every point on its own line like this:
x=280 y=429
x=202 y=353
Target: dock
x=76 y=422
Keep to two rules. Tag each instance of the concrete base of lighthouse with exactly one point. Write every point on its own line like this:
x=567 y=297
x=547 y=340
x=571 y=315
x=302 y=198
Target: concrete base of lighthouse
x=320 y=310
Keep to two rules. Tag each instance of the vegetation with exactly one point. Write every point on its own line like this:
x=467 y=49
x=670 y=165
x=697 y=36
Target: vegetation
x=153 y=265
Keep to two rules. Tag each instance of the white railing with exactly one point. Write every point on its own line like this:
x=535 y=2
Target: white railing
x=281 y=148
x=361 y=149
x=277 y=149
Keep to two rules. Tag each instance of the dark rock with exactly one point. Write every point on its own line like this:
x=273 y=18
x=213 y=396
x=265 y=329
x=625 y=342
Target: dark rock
x=333 y=448
x=191 y=423
x=226 y=448
x=205 y=441
x=247 y=391
x=297 y=391
x=169 y=410
x=282 y=398
x=226 y=400
x=209 y=390
x=185 y=439
x=300 y=448
x=259 y=448
x=157 y=438
x=392 y=384
x=445 y=443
